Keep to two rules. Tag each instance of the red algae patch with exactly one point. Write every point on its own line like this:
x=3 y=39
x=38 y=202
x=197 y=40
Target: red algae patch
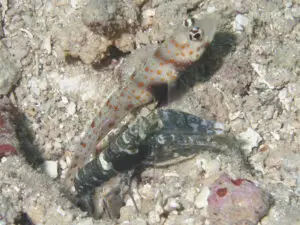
x=237 y=201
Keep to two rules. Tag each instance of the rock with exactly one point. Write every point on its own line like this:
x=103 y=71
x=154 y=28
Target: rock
x=1 y=22
x=237 y=201
x=110 y=18
x=257 y=160
x=282 y=213
x=8 y=211
x=34 y=86
x=125 y=43
x=190 y=194
x=18 y=48
x=278 y=77
x=71 y=109
x=184 y=219
x=201 y=199
x=127 y=213
x=172 y=204
x=75 y=41
x=250 y=139
x=148 y=18
x=153 y=217
x=275 y=78
x=78 y=85
x=64 y=100
x=9 y=75
x=290 y=171
x=36 y=213
x=296 y=12
x=86 y=221
x=240 y=22
x=208 y=165
x=50 y=168
x=46 y=45
x=241 y=6
x=146 y=198
x=137 y=221
x=34 y=194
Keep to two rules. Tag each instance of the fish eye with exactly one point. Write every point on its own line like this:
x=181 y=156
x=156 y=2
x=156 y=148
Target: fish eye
x=196 y=34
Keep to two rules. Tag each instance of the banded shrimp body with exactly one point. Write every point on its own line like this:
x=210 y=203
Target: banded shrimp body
x=164 y=135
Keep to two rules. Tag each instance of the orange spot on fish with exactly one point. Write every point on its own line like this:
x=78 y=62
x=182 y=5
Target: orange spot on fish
x=83 y=144
x=137 y=97
x=116 y=108
x=158 y=72
x=182 y=54
x=151 y=70
x=146 y=69
x=175 y=43
x=141 y=84
x=152 y=79
x=162 y=79
x=191 y=52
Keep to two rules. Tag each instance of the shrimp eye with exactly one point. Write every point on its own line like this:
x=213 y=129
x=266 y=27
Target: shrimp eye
x=196 y=34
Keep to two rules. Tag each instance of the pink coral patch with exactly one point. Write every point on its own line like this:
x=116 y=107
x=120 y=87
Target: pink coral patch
x=234 y=201
x=7 y=149
x=237 y=182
